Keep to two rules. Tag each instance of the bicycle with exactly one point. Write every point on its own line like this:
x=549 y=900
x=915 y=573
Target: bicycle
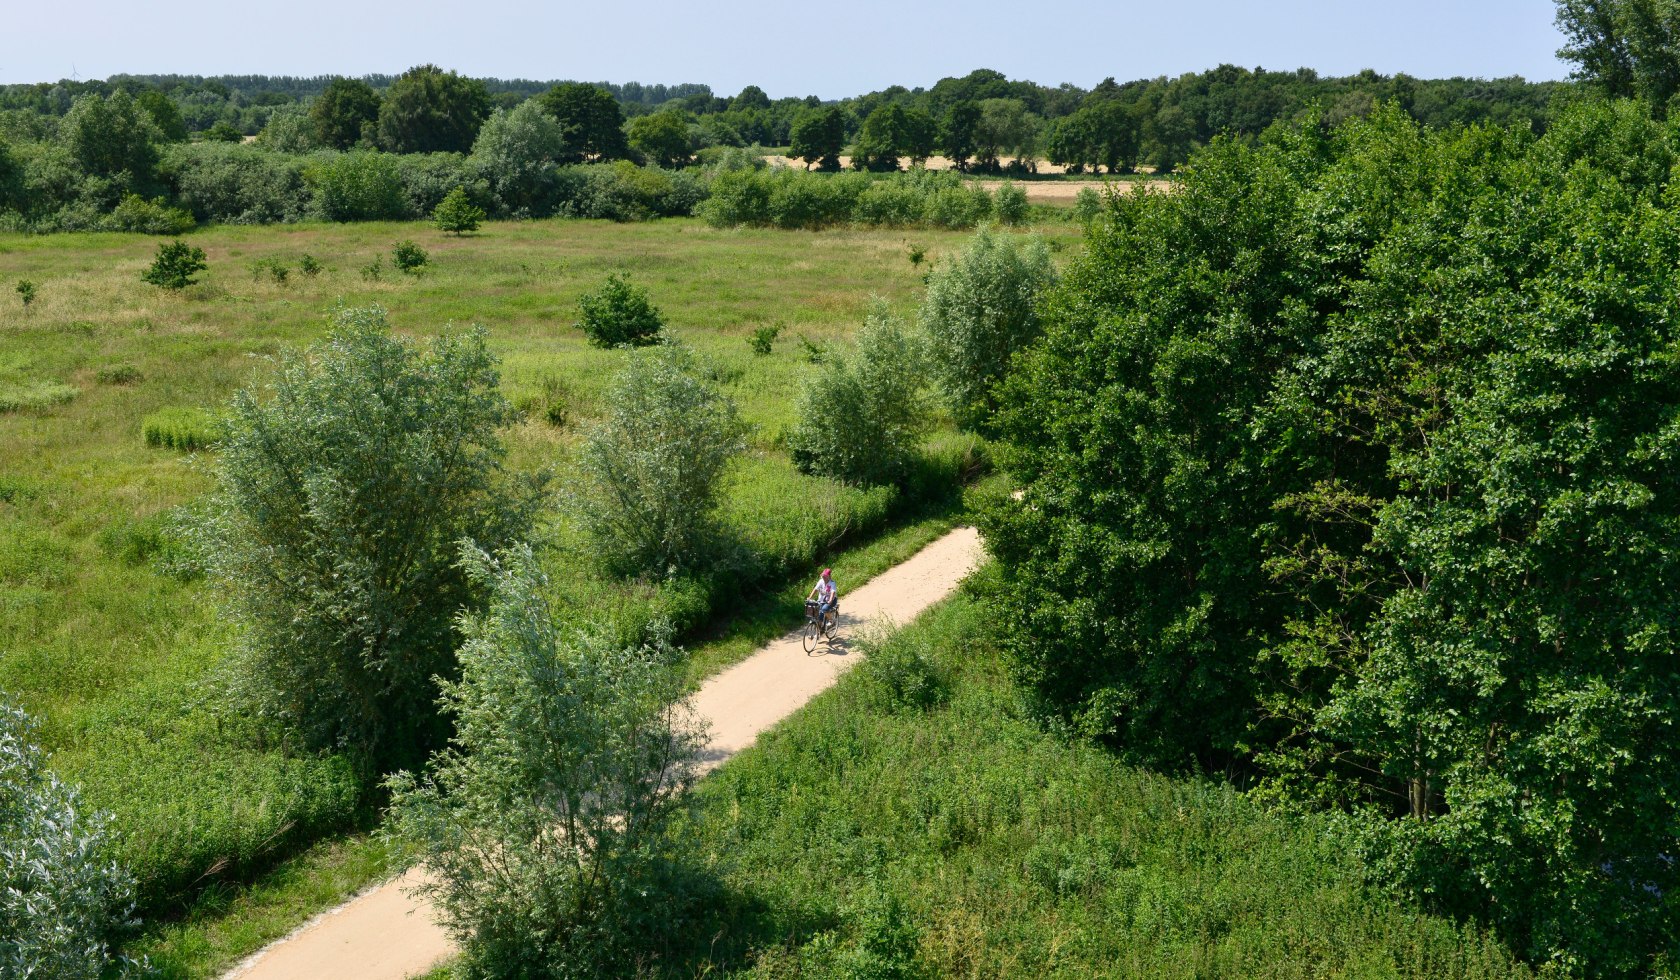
x=818 y=626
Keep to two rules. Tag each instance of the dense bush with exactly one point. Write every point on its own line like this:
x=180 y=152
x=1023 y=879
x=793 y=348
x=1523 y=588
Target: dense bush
x=1348 y=462
x=979 y=311
x=788 y=198
x=651 y=469
x=154 y=217
x=180 y=428
x=517 y=151
x=409 y=258
x=622 y=191
x=545 y=828
x=63 y=903
x=358 y=186
x=456 y=214
x=861 y=412
x=237 y=184
x=175 y=265
x=342 y=497
x=34 y=395
x=619 y=314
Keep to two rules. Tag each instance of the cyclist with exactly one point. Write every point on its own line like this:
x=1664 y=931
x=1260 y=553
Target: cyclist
x=827 y=595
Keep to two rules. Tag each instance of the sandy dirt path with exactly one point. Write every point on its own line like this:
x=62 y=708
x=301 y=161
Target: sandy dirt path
x=385 y=934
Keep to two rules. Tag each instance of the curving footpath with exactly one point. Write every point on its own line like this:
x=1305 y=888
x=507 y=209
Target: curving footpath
x=386 y=934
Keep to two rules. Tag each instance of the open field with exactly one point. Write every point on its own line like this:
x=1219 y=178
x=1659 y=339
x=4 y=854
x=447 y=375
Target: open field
x=116 y=658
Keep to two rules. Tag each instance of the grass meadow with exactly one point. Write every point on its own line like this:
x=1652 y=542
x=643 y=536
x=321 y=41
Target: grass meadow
x=108 y=385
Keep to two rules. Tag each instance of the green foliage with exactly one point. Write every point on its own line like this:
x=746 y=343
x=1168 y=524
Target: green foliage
x=650 y=471
x=108 y=137
x=342 y=496
x=118 y=374
x=428 y=110
x=661 y=137
x=619 y=314
x=622 y=191
x=309 y=266
x=181 y=428
x=1010 y=205
x=980 y=310
x=374 y=270
x=345 y=114
x=165 y=115
x=154 y=217
x=788 y=198
x=763 y=339
x=290 y=130
x=517 y=151
x=63 y=904
x=1625 y=48
x=175 y=265
x=26 y=291
x=591 y=122
x=1087 y=205
x=963 y=840
x=818 y=137
x=456 y=214
x=545 y=830
x=957 y=137
x=223 y=132
x=409 y=258
x=34 y=395
x=861 y=412
x=236 y=184
x=1345 y=461
x=363 y=185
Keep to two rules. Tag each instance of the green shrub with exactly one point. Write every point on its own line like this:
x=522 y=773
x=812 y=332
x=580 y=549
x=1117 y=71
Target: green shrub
x=1087 y=205
x=236 y=184
x=981 y=308
x=182 y=428
x=175 y=265
x=64 y=905
x=650 y=470
x=362 y=185
x=272 y=268
x=956 y=206
x=26 y=292
x=763 y=340
x=135 y=213
x=456 y=214
x=118 y=374
x=1010 y=204
x=409 y=258
x=366 y=440
x=574 y=736
x=34 y=395
x=619 y=314
x=551 y=402
x=859 y=417
x=622 y=191
x=374 y=270
x=309 y=266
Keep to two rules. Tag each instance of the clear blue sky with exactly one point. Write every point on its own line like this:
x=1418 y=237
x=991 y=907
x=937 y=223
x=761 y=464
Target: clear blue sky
x=831 y=49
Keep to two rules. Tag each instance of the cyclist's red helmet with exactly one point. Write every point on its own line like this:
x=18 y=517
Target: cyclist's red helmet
x=825 y=573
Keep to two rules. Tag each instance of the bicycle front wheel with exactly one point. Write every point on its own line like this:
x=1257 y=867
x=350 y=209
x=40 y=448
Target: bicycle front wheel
x=811 y=628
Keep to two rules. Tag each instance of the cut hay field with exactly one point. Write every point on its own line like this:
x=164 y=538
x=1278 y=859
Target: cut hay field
x=114 y=653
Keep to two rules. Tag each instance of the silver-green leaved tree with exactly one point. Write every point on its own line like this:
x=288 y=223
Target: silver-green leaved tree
x=344 y=489
x=545 y=825
x=650 y=471
x=62 y=902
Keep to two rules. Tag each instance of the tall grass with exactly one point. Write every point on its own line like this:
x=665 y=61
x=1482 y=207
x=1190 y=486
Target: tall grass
x=914 y=822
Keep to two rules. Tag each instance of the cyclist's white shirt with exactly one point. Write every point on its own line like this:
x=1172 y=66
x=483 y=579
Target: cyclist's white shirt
x=826 y=590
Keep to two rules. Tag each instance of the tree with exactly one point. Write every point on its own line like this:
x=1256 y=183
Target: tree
x=651 y=470
x=546 y=828
x=818 y=137
x=885 y=134
x=343 y=492
x=1627 y=48
x=110 y=136
x=175 y=265
x=1322 y=482
x=751 y=97
x=429 y=110
x=164 y=115
x=591 y=122
x=980 y=311
x=957 y=136
x=860 y=416
x=63 y=904
x=345 y=114
x=1004 y=126
x=517 y=151
x=619 y=314
x=662 y=137
x=456 y=214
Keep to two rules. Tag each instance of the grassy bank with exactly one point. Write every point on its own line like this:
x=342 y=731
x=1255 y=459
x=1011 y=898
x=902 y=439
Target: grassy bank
x=913 y=823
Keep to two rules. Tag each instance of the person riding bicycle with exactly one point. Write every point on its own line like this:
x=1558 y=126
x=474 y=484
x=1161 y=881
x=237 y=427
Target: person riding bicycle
x=827 y=595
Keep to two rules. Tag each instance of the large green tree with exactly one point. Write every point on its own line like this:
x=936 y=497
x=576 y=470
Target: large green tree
x=818 y=137
x=1347 y=465
x=590 y=120
x=345 y=114
x=516 y=152
x=1626 y=48
x=429 y=110
x=111 y=136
